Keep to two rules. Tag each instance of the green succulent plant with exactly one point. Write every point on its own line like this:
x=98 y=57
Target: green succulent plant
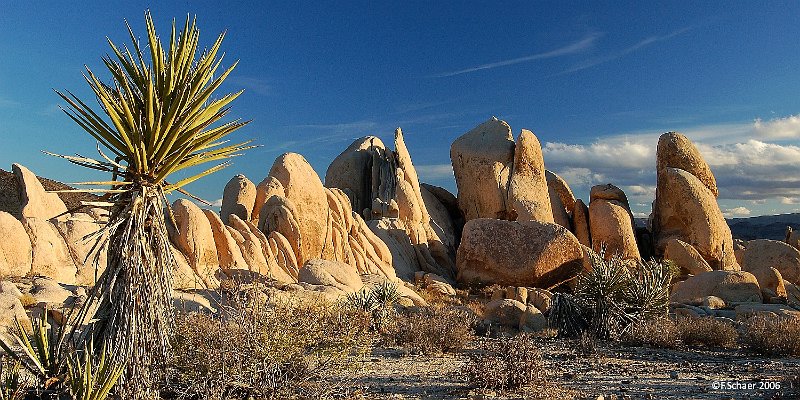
x=157 y=116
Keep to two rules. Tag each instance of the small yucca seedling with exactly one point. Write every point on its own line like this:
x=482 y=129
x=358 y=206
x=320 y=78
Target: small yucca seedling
x=42 y=352
x=14 y=385
x=92 y=377
x=157 y=117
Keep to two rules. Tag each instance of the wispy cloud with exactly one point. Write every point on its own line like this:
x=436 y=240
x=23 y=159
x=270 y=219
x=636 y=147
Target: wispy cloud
x=7 y=103
x=341 y=126
x=434 y=172
x=257 y=85
x=572 y=48
x=613 y=56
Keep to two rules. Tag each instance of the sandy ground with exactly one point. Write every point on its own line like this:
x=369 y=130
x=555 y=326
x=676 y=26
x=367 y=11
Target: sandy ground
x=610 y=371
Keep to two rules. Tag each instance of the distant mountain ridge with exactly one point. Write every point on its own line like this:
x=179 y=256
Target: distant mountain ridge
x=763 y=227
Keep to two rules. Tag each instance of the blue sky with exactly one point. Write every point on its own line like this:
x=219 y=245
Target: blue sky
x=597 y=82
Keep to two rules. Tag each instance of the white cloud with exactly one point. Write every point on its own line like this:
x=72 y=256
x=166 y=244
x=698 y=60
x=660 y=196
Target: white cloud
x=736 y=212
x=790 y=200
x=434 y=172
x=217 y=202
x=778 y=128
x=746 y=169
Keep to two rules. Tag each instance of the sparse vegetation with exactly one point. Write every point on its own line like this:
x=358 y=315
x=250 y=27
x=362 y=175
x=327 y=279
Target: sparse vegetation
x=611 y=295
x=506 y=363
x=268 y=351
x=772 y=336
x=707 y=331
x=661 y=332
x=434 y=329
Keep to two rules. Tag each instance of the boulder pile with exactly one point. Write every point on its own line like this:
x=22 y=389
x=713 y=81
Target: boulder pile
x=512 y=223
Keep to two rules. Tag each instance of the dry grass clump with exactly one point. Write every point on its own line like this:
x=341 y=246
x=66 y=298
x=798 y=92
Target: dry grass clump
x=772 y=336
x=659 y=332
x=434 y=329
x=265 y=351
x=707 y=331
x=506 y=364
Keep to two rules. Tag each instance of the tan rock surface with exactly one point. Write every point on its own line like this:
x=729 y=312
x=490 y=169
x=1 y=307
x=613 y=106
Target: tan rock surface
x=687 y=210
x=763 y=253
x=528 y=194
x=238 y=197
x=229 y=253
x=562 y=189
x=35 y=201
x=580 y=221
x=330 y=273
x=677 y=151
x=730 y=286
x=16 y=252
x=686 y=257
x=517 y=253
x=304 y=189
x=482 y=159
x=770 y=281
x=195 y=239
x=611 y=227
x=51 y=256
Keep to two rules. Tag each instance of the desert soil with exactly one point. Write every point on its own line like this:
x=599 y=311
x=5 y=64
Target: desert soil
x=609 y=370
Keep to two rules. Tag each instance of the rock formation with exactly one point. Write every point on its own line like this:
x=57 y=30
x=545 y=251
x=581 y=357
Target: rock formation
x=528 y=193
x=35 y=201
x=611 y=224
x=517 y=253
x=482 y=161
x=15 y=248
x=686 y=209
x=677 y=151
x=763 y=253
x=238 y=197
x=194 y=238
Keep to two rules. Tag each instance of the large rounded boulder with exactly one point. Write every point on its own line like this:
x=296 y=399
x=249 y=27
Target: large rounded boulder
x=763 y=253
x=482 y=160
x=517 y=253
x=731 y=286
x=687 y=210
x=677 y=151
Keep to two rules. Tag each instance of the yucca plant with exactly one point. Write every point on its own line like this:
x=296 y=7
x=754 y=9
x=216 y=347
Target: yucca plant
x=14 y=385
x=91 y=377
x=42 y=352
x=157 y=117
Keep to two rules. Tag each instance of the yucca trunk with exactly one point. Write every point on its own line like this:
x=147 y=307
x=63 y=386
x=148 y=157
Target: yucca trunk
x=135 y=313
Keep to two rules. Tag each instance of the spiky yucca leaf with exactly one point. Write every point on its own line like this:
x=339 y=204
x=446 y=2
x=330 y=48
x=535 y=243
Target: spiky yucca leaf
x=160 y=117
x=92 y=377
x=157 y=116
x=648 y=293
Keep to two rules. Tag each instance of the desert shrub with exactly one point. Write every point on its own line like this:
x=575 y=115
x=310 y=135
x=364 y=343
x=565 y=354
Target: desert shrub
x=435 y=329
x=378 y=302
x=772 y=336
x=611 y=295
x=661 y=332
x=505 y=363
x=265 y=351
x=586 y=344
x=707 y=331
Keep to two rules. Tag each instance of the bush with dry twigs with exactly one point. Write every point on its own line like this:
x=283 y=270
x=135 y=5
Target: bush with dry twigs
x=270 y=351
x=659 y=332
x=434 y=329
x=505 y=364
x=707 y=331
x=772 y=336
